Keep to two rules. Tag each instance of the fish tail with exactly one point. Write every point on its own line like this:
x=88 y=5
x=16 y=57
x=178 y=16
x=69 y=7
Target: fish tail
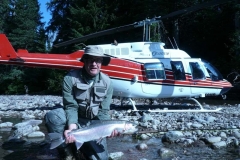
x=78 y=144
x=56 y=139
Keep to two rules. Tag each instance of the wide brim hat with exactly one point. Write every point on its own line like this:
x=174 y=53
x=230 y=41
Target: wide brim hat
x=96 y=51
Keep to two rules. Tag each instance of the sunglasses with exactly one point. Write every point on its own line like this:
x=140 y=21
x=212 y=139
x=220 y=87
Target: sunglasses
x=96 y=60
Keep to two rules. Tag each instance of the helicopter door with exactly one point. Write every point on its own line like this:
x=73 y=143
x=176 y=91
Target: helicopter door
x=178 y=70
x=198 y=79
x=180 y=87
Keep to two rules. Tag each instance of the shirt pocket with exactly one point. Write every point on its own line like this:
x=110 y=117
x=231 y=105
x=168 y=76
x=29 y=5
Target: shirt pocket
x=81 y=91
x=100 y=93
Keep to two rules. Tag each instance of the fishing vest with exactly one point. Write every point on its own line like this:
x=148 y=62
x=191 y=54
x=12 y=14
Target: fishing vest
x=89 y=96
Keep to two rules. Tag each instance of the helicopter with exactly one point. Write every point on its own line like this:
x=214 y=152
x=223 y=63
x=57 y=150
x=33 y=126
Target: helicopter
x=137 y=69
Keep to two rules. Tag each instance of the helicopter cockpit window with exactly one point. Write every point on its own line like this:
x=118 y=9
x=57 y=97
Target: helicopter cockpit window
x=154 y=71
x=213 y=72
x=178 y=70
x=197 y=71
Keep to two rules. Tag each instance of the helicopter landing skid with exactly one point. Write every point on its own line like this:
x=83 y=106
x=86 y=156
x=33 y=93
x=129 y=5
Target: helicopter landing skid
x=177 y=110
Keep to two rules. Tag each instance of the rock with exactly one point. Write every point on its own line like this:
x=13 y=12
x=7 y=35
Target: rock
x=197 y=125
x=32 y=122
x=115 y=156
x=219 y=144
x=236 y=134
x=24 y=129
x=213 y=139
x=210 y=119
x=145 y=136
x=223 y=135
x=146 y=117
x=188 y=141
x=6 y=125
x=187 y=134
x=172 y=136
x=166 y=153
x=36 y=134
x=142 y=146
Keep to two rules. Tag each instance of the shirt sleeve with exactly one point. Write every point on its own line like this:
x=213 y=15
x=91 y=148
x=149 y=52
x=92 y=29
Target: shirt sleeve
x=105 y=105
x=69 y=103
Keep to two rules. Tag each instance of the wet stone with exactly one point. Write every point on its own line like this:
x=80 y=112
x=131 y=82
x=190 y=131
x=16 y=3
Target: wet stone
x=213 y=139
x=166 y=153
x=220 y=144
x=115 y=155
x=142 y=146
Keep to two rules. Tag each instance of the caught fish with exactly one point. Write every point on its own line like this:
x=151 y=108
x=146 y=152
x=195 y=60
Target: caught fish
x=96 y=131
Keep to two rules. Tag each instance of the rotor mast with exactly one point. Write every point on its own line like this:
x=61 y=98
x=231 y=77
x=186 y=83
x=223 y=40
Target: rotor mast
x=146 y=24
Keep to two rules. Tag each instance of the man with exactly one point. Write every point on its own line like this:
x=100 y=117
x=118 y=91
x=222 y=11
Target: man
x=87 y=95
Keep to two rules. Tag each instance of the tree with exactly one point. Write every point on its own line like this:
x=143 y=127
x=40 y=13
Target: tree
x=59 y=27
x=24 y=24
x=24 y=28
x=3 y=12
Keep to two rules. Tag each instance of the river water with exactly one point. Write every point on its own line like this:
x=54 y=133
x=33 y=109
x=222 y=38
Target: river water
x=25 y=150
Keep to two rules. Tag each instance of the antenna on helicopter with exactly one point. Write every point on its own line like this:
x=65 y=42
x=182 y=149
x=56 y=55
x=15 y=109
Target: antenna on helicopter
x=144 y=31
x=115 y=42
x=175 y=43
x=171 y=42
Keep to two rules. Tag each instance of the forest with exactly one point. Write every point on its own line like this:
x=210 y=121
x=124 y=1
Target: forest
x=207 y=29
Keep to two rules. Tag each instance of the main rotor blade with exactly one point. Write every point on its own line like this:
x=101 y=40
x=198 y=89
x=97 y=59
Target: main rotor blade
x=98 y=34
x=195 y=8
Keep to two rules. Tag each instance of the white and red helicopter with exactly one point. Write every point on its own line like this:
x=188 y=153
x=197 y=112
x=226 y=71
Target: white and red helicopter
x=137 y=69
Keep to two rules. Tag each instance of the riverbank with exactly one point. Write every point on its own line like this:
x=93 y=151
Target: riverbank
x=216 y=131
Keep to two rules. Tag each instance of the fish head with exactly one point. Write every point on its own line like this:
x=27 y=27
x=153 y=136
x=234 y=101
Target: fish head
x=130 y=128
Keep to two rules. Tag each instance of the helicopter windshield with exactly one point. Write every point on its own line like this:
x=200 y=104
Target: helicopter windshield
x=154 y=71
x=213 y=72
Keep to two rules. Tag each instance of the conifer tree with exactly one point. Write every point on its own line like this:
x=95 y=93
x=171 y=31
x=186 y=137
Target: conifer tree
x=24 y=24
x=23 y=27
x=3 y=12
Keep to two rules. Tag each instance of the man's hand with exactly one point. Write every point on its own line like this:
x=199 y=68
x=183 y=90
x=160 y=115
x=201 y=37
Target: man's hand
x=70 y=138
x=114 y=134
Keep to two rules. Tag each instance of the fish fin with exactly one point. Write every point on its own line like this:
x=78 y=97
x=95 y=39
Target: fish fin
x=56 y=139
x=78 y=144
x=99 y=140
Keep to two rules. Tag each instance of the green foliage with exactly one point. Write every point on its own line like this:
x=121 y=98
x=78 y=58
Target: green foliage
x=21 y=22
x=3 y=12
x=234 y=52
x=11 y=80
x=60 y=24
x=24 y=25
x=43 y=80
x=54 y=81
